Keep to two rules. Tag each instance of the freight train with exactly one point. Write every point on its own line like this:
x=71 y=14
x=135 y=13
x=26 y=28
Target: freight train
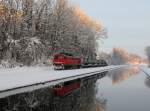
x=63 y=60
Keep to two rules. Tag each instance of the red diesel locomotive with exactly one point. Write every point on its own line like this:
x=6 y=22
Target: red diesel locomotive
x=65 y=60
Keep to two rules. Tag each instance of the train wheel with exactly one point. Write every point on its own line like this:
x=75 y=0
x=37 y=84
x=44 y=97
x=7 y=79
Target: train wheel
x=63 y=67
x=59 y=67
x=56 y=67
x=79 y=66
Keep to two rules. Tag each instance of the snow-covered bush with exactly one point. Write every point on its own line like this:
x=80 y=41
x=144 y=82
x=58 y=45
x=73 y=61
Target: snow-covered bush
x=10 y=64
x=30 y=50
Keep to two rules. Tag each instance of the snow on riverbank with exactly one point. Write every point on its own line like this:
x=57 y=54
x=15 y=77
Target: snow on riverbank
x=18 y=77
x=145 y=69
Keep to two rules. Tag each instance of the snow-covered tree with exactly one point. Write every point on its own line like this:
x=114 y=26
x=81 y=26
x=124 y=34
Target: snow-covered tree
x=119 y=56
x=56 y=25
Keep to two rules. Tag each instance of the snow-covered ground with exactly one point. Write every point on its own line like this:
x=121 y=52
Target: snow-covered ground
x=26 y=76
x=145 y=69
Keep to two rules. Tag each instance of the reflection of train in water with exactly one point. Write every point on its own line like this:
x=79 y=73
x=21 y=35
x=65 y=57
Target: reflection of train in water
x=68 y=87
x=65 y=60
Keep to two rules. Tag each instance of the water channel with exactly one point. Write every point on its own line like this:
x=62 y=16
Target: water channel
x=126 y=89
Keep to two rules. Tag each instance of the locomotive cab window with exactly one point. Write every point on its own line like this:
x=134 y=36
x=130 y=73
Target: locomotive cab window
x=68 y=54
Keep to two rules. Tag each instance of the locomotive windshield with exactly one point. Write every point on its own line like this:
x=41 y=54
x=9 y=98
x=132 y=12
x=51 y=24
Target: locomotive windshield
x=65 y=53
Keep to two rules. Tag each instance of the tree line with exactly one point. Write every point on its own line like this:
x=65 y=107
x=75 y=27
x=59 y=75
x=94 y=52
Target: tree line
x=120 y=56
x=33 y=30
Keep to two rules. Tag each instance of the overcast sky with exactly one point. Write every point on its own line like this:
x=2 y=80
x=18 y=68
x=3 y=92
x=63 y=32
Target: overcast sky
x=127 y=21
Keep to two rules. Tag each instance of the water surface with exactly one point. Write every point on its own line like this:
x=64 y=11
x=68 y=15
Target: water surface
x=125 y=89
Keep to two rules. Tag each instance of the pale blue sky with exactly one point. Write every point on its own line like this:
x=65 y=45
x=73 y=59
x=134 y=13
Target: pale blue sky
x=127 y=21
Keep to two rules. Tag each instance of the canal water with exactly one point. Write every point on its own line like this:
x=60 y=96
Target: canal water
x=126 y=89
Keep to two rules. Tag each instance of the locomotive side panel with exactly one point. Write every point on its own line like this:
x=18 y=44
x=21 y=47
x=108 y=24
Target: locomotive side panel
x=62 y=61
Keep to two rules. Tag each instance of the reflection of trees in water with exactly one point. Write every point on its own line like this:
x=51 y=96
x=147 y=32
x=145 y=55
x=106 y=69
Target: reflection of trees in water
x=88 y=98
x=147 y=81
x=82 y=99
x=120 y=75
x=100 y=104
x=33 y=101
